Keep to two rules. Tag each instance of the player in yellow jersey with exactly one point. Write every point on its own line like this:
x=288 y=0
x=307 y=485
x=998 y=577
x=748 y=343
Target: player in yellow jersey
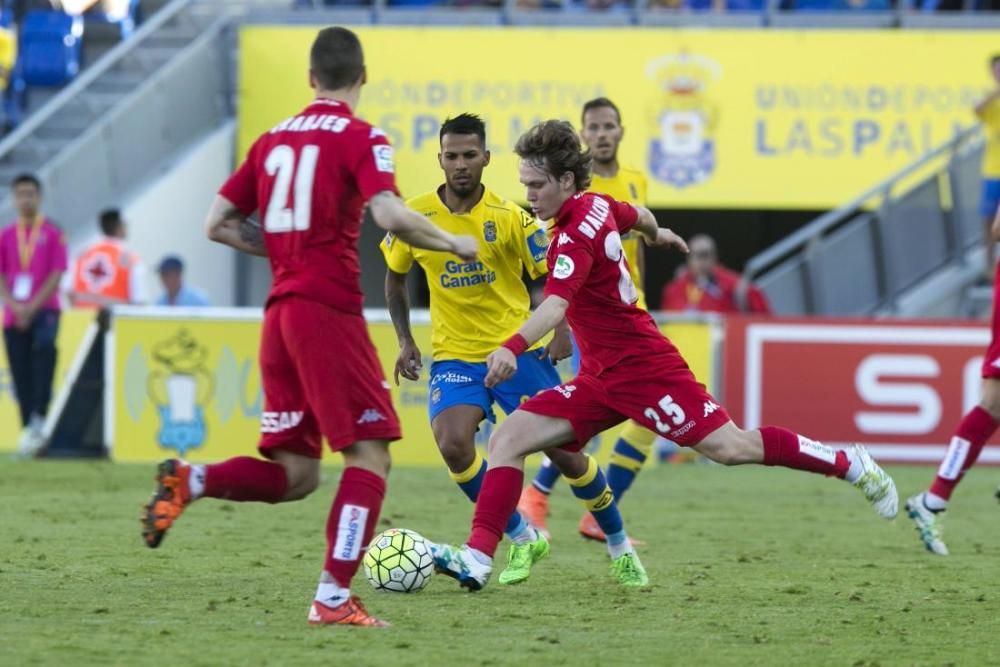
x=475 y=307
x=988 y=111
x=602 y=131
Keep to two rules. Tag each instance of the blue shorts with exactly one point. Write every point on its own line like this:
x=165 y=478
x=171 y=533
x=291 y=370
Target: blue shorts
x=990 y=200
x=461 y=383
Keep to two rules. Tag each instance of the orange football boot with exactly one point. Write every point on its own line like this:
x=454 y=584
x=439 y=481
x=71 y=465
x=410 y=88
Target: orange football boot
x=172 y=495
x=534 y=506
x=351 y=612
x=588 y=528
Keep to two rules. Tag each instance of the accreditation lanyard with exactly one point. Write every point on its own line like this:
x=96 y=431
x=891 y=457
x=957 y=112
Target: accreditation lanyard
x=27 y=241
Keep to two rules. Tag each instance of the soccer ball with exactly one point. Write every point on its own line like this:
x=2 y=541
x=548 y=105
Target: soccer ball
x=398 y=561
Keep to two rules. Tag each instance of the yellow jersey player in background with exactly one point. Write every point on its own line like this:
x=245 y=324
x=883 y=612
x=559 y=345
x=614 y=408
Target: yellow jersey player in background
x=602 y=132
x=475 y=307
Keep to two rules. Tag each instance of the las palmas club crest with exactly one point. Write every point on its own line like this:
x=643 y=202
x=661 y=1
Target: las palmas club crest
x=682 y=149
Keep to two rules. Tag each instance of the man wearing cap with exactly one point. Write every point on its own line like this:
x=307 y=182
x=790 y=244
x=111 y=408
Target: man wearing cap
x=176 y=293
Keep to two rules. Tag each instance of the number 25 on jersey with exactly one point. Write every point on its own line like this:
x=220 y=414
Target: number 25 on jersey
x=281 y=164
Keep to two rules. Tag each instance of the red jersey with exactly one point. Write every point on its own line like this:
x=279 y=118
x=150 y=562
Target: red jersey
x=310 y=176
x=587 y=267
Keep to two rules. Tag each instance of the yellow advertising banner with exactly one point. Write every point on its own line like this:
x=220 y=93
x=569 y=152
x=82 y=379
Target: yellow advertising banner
x=72 y=327
x=716 y=118
x=191 y=387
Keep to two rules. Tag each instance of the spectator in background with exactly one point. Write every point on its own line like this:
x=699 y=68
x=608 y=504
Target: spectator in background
x=32 y=262
x=988 y=111
x=176 y=293
x=107 y=273
x=704 y=285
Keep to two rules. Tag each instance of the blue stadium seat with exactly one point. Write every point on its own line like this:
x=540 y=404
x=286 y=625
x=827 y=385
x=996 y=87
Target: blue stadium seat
x=49 y=49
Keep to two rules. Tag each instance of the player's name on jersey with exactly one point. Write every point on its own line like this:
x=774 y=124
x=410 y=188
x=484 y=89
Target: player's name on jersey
x=595 y=218
x=328 y=122
x=466 y=274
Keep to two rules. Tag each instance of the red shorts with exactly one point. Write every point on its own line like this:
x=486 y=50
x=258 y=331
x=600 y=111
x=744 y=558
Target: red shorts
x=322 y=378
x=661 y=395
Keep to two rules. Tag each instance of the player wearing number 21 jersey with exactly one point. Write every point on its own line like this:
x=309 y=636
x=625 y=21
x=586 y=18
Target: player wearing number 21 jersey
x=309 y=177
x=628 y=369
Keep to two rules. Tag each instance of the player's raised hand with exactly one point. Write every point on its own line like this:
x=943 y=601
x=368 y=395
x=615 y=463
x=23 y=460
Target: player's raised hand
x=500 y=365
x=667 y=239
x=409 y=363
x=465 y=247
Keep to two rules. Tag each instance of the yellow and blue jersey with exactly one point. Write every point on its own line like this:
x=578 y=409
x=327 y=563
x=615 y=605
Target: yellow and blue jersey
x=991 y=155
x=627 y=185
x=475 y=306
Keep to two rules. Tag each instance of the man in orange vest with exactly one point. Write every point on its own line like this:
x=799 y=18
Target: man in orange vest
x=107 y=272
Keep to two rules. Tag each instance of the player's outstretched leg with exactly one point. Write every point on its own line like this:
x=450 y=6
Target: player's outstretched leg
x=528 y=546
x=521 y=434
x=630 y=453
x=350 y=527
x=777 y=446
x=927 y=508
x=179 y=483
x=454 y=431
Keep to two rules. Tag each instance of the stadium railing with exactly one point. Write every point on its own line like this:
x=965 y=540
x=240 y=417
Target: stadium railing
x=103 y=133
x=862 y=258
x=771 y=13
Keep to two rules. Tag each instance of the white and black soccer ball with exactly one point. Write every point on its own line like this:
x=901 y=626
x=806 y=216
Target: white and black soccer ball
x=398 y=561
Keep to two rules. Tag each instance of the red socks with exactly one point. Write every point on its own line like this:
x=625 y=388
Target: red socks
x=352 y=522
x=790 y=450
x=973 y=431
x=497 y=501
x=246 y=478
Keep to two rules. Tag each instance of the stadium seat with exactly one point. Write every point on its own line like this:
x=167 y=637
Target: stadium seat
x=50 y=48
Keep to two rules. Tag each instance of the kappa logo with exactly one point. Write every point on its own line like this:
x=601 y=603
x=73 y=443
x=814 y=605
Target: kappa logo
x=564 y=239
x=370 y=416
x=710 y=407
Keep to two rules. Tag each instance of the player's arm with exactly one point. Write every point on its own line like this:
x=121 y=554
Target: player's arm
x=502 y=362
x=985 y=103
x=397 y=299
x=393 y=215
x=995 y=228
x=227 y=225
x=653 y=234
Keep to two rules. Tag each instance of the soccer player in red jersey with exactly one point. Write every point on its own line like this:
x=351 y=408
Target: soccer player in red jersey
x=628 y=369
x=310 y=176
x=926 y=509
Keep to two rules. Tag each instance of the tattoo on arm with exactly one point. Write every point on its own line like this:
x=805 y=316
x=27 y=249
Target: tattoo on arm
x=251 y=233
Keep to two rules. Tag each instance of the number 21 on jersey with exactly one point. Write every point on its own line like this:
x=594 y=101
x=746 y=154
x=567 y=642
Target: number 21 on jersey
x=281 y=164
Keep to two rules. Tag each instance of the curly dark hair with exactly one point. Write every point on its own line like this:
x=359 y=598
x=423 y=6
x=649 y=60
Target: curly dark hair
x=554 y=146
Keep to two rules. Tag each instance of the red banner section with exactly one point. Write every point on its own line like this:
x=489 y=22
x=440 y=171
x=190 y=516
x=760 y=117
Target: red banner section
x=900 y=388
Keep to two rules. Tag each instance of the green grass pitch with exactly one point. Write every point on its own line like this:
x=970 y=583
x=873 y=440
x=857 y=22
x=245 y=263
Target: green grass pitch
x=749 y=566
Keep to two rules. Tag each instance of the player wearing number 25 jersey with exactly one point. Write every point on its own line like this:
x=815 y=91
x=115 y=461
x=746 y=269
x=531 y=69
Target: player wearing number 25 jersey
x=309 y=177
x=628 y=369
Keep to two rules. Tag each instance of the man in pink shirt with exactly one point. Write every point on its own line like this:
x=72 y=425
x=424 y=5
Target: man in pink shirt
x=32 y=262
